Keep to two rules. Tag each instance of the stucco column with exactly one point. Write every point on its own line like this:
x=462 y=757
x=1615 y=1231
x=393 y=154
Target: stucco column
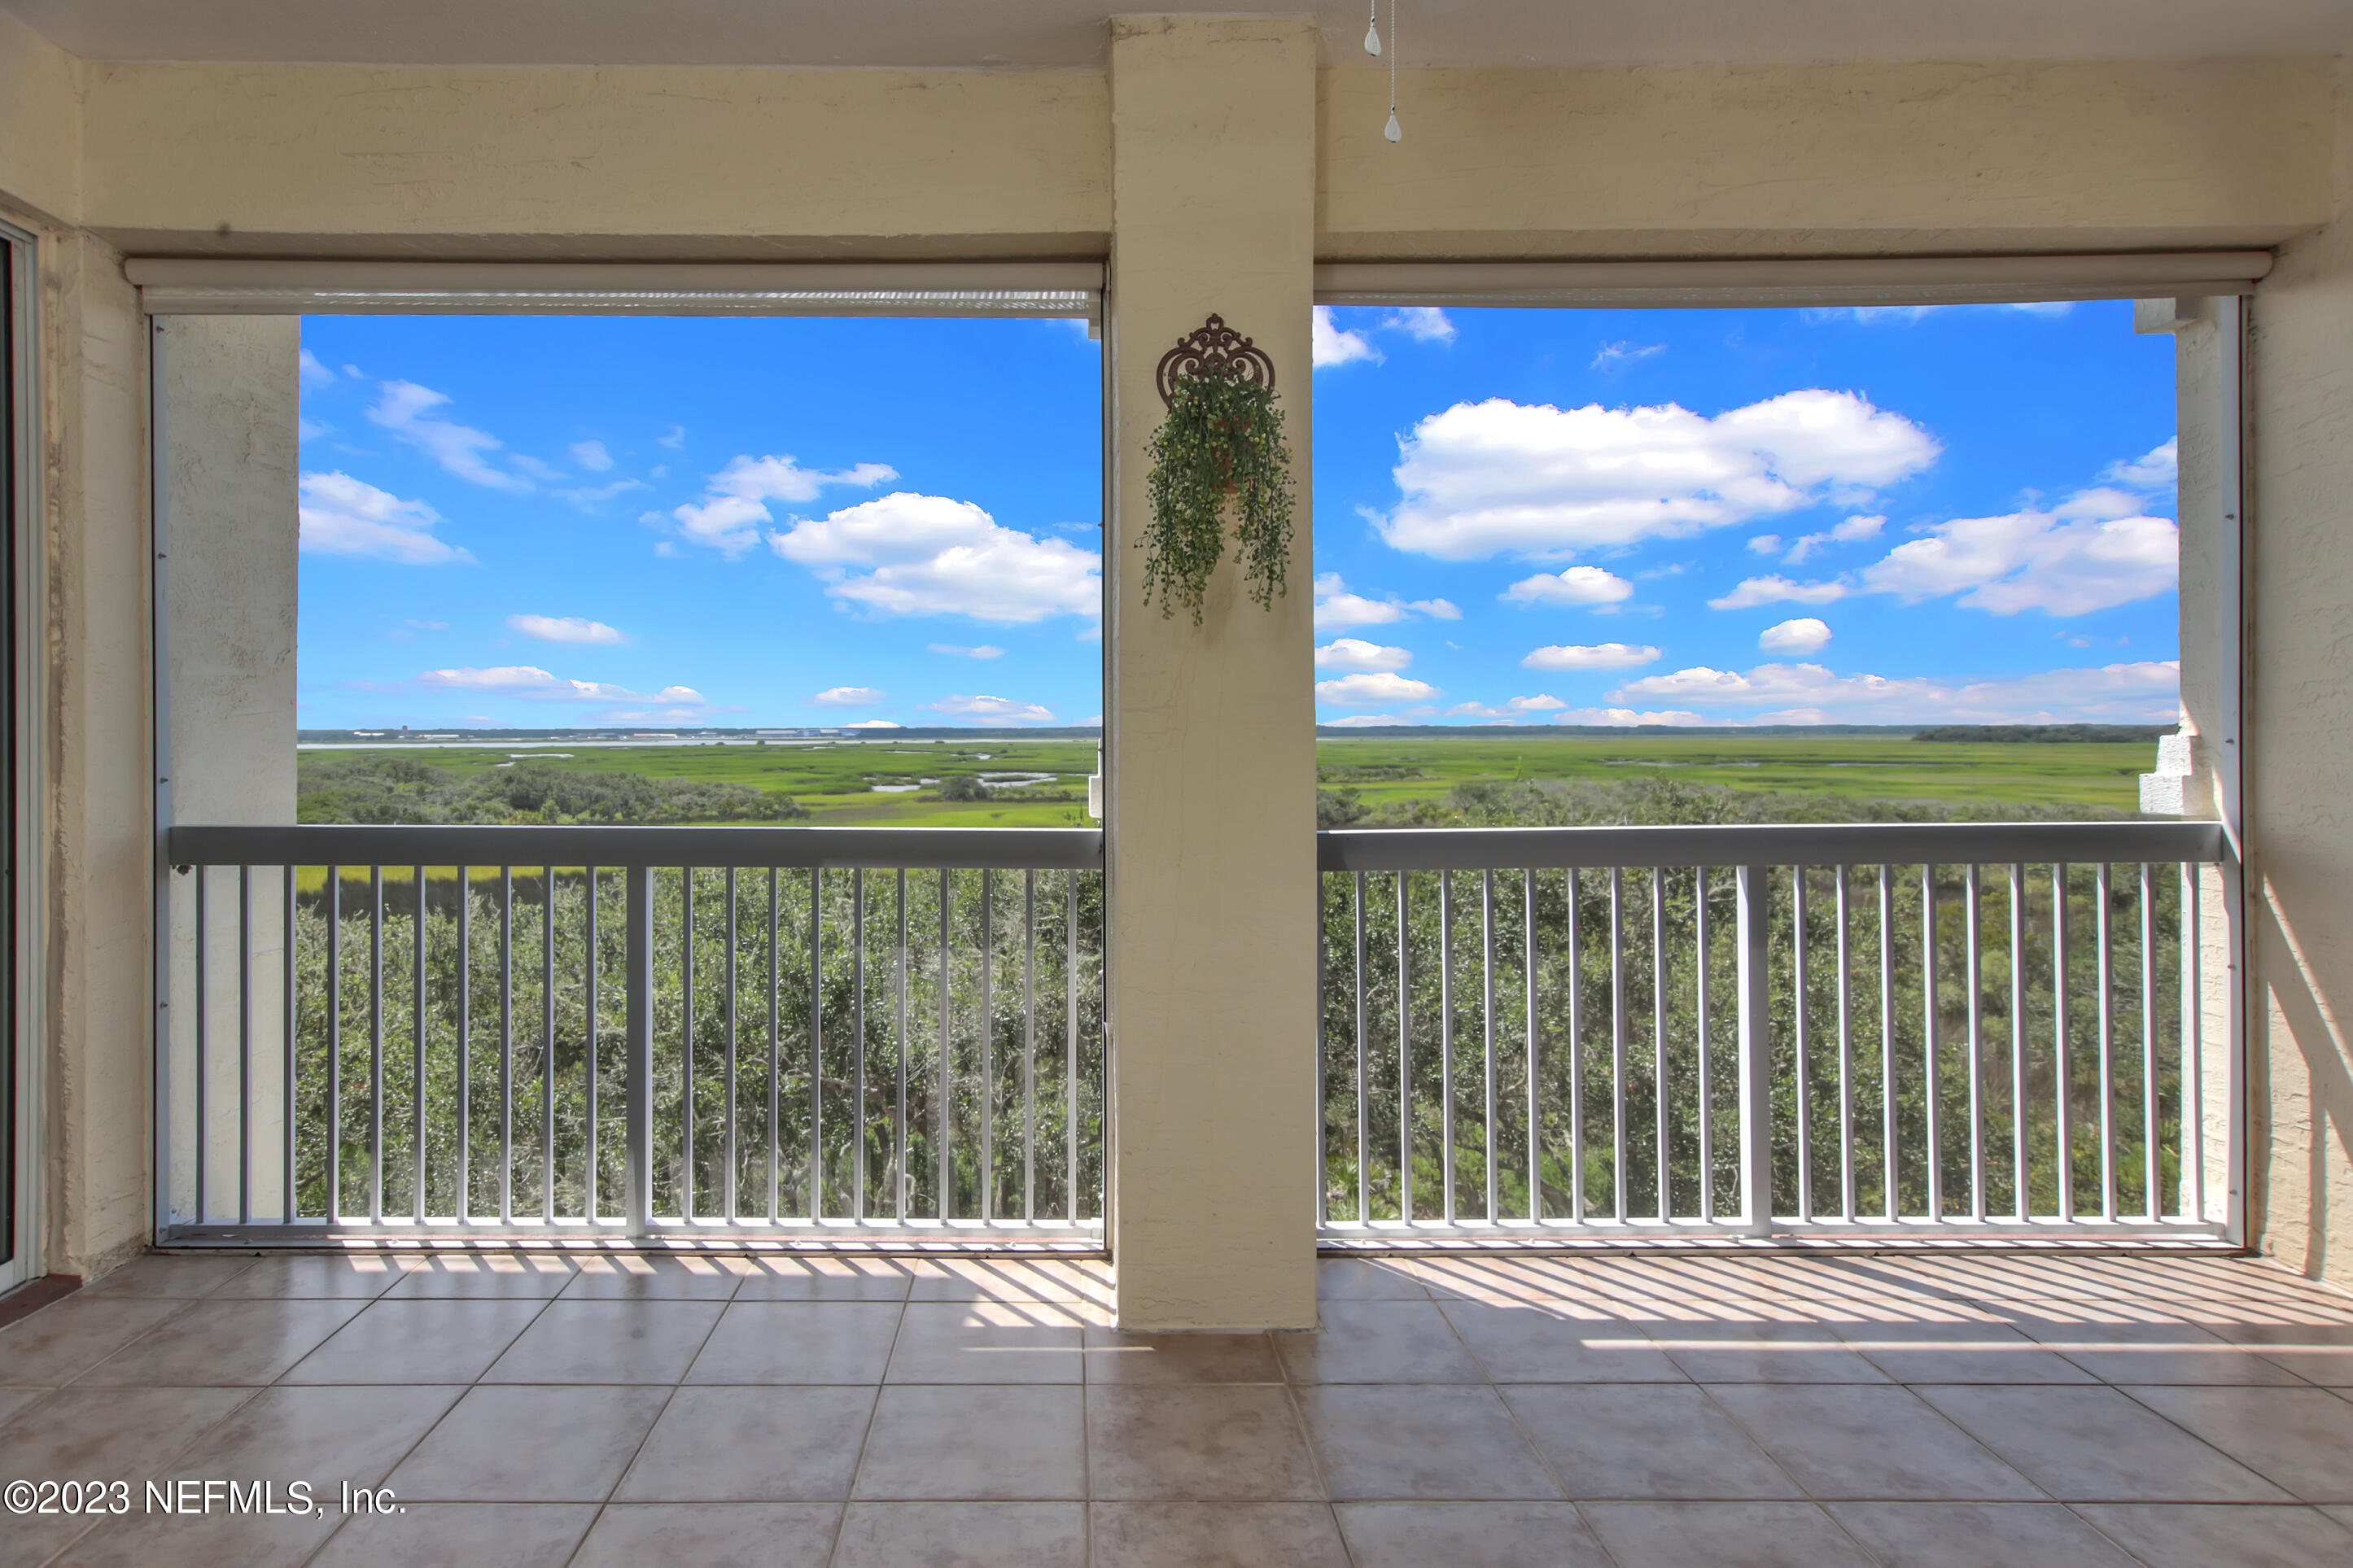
x=228 y=392
x=1211 y=728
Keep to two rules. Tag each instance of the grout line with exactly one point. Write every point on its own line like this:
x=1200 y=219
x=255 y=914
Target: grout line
x=873 y=1412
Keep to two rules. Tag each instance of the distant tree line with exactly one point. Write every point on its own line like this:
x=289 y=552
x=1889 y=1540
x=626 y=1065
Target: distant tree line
x=2010 y=734
x=393 y=789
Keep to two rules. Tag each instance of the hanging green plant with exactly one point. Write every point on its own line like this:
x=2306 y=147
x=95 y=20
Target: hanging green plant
x=1220 y=445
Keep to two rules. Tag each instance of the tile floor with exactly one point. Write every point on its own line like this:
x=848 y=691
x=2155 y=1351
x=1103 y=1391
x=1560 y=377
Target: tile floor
x=1927 y=1412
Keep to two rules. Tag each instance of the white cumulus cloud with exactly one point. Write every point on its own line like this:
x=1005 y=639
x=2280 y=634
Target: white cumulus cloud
x=1778 y=590
x=1617 y=356
x=1364 y=722
x=736 y=498
x=592 y=455
x=1847 y=532
x=2156 y=470
x=1330 y=344
x=1498 y=476
x=1512 y=711
x=407 y=410
x=909 y=554
x=1424 y=323
x=339 y=515
x=982 y=651
x=1625 y=718
x=1574 y=586
x=849 y=697
x=875 y=724
x=566 y=629
x=1336 y=608
x=2032 y=560
x=1804 y=635
x=1369 y=687
x=540 y=686
x=1355 y=653
x=1005 y=709
x=1596 y=656
x=314 y=375
x=2144 y=692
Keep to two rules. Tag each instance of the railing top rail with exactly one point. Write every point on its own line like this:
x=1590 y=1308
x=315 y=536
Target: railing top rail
x=1809 y=844
x=888 y=848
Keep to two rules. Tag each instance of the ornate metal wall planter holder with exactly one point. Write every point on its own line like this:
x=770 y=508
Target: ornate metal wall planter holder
x=1220 y=445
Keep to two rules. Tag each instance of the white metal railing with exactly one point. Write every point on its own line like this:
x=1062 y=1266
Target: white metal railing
x=887 y=1033
x=1861 y=1028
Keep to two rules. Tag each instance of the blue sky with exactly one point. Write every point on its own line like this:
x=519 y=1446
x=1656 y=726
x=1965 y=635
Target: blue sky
x=1572 y=516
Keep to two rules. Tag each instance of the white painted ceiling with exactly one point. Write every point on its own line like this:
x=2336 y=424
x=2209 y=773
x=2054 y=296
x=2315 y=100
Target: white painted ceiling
x=984 y=33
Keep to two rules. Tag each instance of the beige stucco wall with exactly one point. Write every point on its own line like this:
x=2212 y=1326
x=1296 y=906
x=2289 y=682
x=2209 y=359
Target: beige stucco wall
x=1211 y=729
x=2300 y=728
x=1847 y=159
x=40 y=124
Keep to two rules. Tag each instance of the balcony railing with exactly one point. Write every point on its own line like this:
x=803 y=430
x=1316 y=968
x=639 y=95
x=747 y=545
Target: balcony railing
x=630 y=1031
x=1866 y=1028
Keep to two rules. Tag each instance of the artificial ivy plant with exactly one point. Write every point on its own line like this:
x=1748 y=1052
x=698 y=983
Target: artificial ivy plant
x=1222 y=441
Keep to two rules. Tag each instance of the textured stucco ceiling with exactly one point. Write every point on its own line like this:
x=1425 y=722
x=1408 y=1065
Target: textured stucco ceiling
x=981 y=33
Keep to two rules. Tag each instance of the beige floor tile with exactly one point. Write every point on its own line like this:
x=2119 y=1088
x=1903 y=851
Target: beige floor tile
x=127 y=1434
x=799 y=1341
x=360 y=1274
x=980 y=1444
x=15 y=1399
x=1368 y=1279
x=1197 y=1442
x=1868 y=1442
x=989 y=1341
x=751 y=1445
x=1645 y=1441
x=2300 y=1438
x=2216 y=1536
x=1008 y=1280
x=67 y=1337
x=140 y=1540
x=608 y=1341
x=1557 y=1342
x=712 y=1535
x=2096 y=1445
x=1945 y=1351
x=477 y=1275
x=1977 y=1535
x=824 y=1280
x=1217 y=1535
x=1479 y=1278
x=322 y=1435
x=169 y=1273
x=1469 y=1535
x=460 y=1535
x=1723 y=1535
x=530 y=1445
x=1120 y=1358
x=1421 y=1441
x=219 y=1341
x=632 y=1277
x=2133 y=1342
x=1379 y=1341
x=1759 y=1350
x=962 y=1535
x=2316 y=1353
x=418 y=1342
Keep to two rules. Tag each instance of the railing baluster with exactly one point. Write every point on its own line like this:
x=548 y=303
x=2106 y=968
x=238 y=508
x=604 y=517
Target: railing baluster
x=1070 y=1046
x=290 y=1206
x=1706 y=1063
x=816 y=1045
x=2152 y=1205
x=1446 y=1036
x=506 y=1045
x=1617 y=1041
x=1405 y=1059
x=2193 y=1039
x=1933 y=1095
x=945 y=1112
x=687 y=1173
x=2021 y=1174
x=1363 y=1100
x=1030 y=1048
x=245 y=1044
x=1977 y=1056
x=465 y=1204
x=417 y=1007
x=1576 y=1057
x=376 y=1044
x=1535 y=1053
x=987 y=1047
x=857 y=1042
x=1487 y=1006
x=727 y=1203
x=2063 y=1069
x=335 y=1043
x=1887 y=1143
x=589 y=1182
x=203 y=1063
x=1847 y=1184
x=1659 y=1038
x=1756 y=1052
x=899 y=1034
x=776 y=1053
x=2106 y=1012
x=637 y=1094
x=1803 y=1043
x=546 y=1042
